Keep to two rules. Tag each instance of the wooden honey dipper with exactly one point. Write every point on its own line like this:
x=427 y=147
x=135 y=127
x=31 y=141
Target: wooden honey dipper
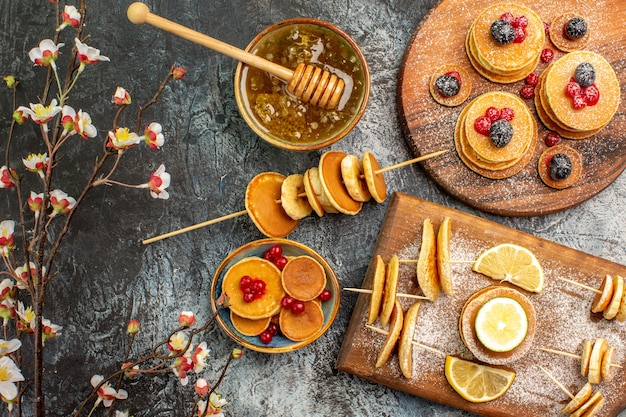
x=307 y=82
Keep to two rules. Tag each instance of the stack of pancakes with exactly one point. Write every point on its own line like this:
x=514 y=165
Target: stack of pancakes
x=555 y=108
x=479 y=153
x=504 y=63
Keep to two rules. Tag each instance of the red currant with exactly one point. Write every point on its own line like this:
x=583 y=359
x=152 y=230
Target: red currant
x=280 y=262
x=245 y=282
x=507 y=113
x=326 y=295
x=249 y=297
x=546 y=55
x=482 y=125
x=552 y=139
x=297 y=307
x=508 y=16
x=267 y=256
x=573 y=89
x=579 y=102
x=287 y=301
x=532 y=79
x=276 y=251
x=272 y=329
x=493 y=114
x=591 y=94
x=258 y=286
x=266 y=337
x=520 y=35
x=527 y=91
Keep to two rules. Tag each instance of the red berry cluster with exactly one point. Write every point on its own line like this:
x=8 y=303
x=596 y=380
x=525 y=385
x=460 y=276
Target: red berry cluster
x=519 y=24
x=456 y=75
x=275 y=256
x=547 y=55
x=582 y=96
x=296 y=306
x=268 y=334
x=253 y=288
x=528 y=89
x=552 y=139
x=492 y=114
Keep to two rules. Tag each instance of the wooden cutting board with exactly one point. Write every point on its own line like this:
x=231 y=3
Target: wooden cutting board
x=429 y=126
x=563 y=310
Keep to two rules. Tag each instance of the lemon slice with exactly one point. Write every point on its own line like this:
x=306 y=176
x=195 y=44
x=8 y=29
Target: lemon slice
x=512 y=263
x=477 y=383
x=501 y=324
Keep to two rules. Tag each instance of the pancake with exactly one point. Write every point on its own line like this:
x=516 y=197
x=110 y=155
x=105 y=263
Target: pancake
x=522 y=123
x=318 y=189
x=543 y=166
x=464 y=91
x=303 y=278
x=468 y=317
x=353 y=178
x=506 y=59
x=303 y=326
x=293 y=197
x=249 y=327
x=262 y=194
x=260 y=308
x=315 y=203
x=590 y=117
x=557 y=34
x=332 y=183
x=375 y=180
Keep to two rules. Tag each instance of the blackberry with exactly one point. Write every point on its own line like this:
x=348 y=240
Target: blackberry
x=585 y=74
x=448 y=85
x=560 y=166
x=503 y=32
x=501 y=133
x=575 y=28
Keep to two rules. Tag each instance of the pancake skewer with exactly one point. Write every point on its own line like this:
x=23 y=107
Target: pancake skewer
x=585 y=402
x=375 y=175
x=610 y=297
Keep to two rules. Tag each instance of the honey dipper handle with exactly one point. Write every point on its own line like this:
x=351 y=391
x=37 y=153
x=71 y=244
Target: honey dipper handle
x=139 y=13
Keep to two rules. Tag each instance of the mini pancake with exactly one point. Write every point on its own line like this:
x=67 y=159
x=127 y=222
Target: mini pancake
x=390 y=290
x=585 y=356
x=522 y=124
x=395 y=328
x=543 y=166
x=600 y=347
x=607 y=371
x=294 y=203
x=249 y=327
x=557 y=34
x=332 y=183
x=315 y=203
x=353 y=178
x=427 y=273
x=468 y=317
x=589 y=117
x=303 y=278
x=318 y=190
x=579 y=399
x=269 y=216
x=405 y=343
x=610 y=312
x=303 y=326
x=444 y=235
x=375 y=180
x=603 y=298
x=378 y=285
x=591 y=406
x=514 y=56
x=464 y=91
x=255 y=267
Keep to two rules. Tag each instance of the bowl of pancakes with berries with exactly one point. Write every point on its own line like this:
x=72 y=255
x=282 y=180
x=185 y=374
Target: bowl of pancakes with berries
x=280 y=295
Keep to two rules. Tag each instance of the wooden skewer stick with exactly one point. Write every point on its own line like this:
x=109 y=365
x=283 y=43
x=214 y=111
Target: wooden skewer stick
x=572 y=355
x=410 y=161
x=398 y=294
x=414 y=261
x=413 y=342
x=557 y=382
x=597 y=291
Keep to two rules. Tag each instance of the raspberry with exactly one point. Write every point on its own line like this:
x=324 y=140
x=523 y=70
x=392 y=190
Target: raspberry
x=579 y=102
x=493 y=114
x=552 y=139
x=482 y=125
x=532 y=79
x=527 y=91
x=591 y=95
x=547 y=55
x=507 y=113
x=573 y=89
x=520 y=34
x=454 y=74
x=508 y=16
x=520 y=21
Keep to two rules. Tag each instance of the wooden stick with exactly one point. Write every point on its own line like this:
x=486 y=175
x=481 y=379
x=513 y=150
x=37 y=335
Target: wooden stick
x=414 y=261
x=410 y=161
x=399 y=294
x=597 y=291
x=413 y=342
x=195 y=226
x=557 y=382
x=572 y=355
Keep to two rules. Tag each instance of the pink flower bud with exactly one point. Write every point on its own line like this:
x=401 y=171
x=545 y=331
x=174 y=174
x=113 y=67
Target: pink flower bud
x=133 y=326
x=178 y=73
x=186 y=319
x=121 y=97
x=202 y=387
x=20 y=116
x=237 y=353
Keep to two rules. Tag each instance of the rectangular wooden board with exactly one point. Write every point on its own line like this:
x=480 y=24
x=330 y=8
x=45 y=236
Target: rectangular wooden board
x=564 y=318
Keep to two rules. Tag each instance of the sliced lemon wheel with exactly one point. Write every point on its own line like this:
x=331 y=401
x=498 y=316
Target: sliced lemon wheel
x=501 y=324
x=512 y=263
x=477 y=383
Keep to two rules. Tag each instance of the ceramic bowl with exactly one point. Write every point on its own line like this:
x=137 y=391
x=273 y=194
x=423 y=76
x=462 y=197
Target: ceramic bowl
x=303 y=127
x=279 y=343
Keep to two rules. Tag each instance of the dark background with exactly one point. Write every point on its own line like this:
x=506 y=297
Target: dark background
x=108 y=277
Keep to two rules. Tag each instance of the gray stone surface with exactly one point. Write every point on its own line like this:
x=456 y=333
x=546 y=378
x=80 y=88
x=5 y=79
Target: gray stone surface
x=107 y=276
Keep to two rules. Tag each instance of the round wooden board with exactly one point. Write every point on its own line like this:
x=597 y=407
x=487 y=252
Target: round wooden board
x=429 y=126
